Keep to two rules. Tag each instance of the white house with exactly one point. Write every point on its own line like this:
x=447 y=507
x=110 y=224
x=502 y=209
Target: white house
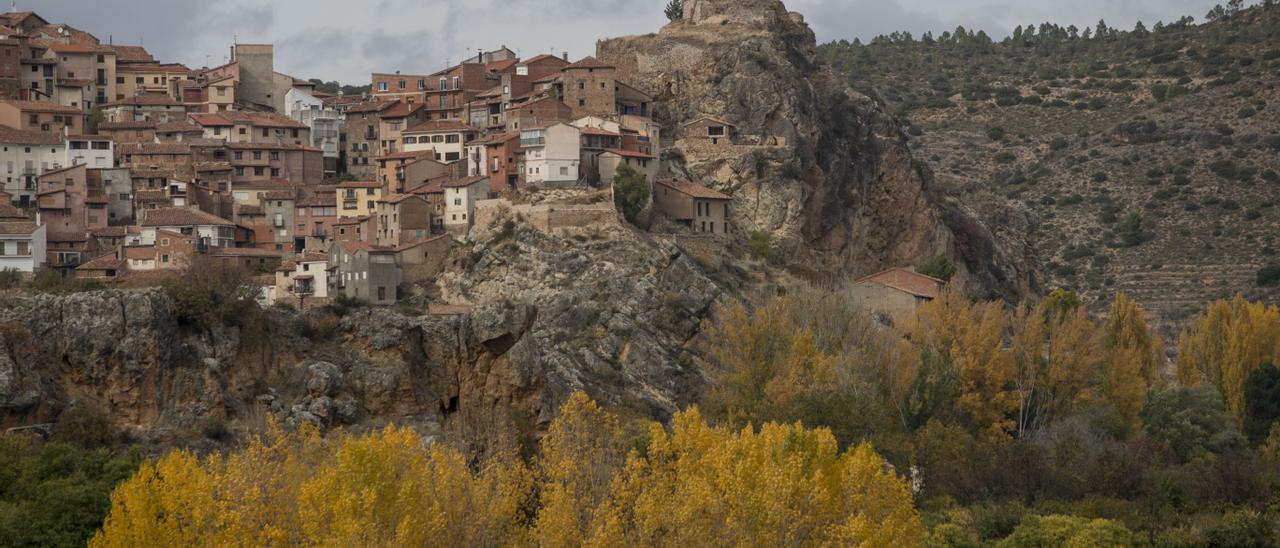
x=24 y=156
x=305 y=276
x=95 y=151
x=210 y=229
x=447 y=138
x=460 y=197
x=22 y=246
x=297 y=100
x=551 y=154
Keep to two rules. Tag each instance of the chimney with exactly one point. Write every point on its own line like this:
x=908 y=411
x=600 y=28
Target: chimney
x=565 y=55
x=233 y=52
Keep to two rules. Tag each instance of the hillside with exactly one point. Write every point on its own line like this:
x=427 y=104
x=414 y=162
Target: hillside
x=1146 y=158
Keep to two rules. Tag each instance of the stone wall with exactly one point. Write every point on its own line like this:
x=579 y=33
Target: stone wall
x=490 y=214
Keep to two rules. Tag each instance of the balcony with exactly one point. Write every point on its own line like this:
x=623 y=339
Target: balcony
x=539 y=141
x=319 y=233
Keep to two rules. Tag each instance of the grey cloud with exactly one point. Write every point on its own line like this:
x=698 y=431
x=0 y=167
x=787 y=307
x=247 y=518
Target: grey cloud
x=341 y=40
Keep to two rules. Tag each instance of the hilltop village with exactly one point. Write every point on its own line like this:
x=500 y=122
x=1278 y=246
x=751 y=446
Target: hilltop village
x=124 y=169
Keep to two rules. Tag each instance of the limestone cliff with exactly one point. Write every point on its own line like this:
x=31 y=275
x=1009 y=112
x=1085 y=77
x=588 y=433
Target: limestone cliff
x=125 y=351
x=825 y=170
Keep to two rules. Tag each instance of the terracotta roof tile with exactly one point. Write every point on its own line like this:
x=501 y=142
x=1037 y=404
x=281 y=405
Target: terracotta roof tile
x=695 y=190
x=181 y=216
x=43 y=106
x=908 y=281
x=439 y=125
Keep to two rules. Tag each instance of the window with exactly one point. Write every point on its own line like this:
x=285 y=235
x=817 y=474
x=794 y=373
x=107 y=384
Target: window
x=400 y=85
x=582 y=102
x=382 y=86
x=164 y=242
x=443 y=83
x=452 y=138
x=243 y=131
x=164 y=258
x=239 y=155
x=275 y=172
x=266 y=132
x=582 y=85
x=257 y=155
x=24 y=248
x=422 y=84
x=457 y=201
x=457 y=82
x=275 y=155
x=382 y=293
x=564 y=171
x=258 y=171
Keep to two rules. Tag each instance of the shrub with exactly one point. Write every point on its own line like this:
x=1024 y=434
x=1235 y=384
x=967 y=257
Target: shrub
x=938 y=266
x=1004 y=157
x=85 y=425
x=211 y=292
x=1059 y=143
x=761 y=245
x=995 y=133
x=1269 y=275
x=630 y=192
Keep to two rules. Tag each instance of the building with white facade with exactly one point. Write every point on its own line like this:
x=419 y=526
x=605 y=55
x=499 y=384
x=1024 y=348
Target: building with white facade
x=460 y=197
x=551 y=154
x=24 y=156
x=95 y=151
x=22 y=246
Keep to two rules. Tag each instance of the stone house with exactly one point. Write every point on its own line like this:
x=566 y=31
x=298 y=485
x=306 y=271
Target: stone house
x=208 y=230
x=314 y=219
x=896 y=292
x=607 y=163
x=400 y=171
x=393 y=121
x=364 y=271
x=363 y=136
x=155 y=107
x=421 y=261
x=537 y=111
x=701 y=208
x=402 y=219
x=248 y=258
x=300 y=164
x=709 y=130
x=591 y=87
x=460 y=197
x=67 y=203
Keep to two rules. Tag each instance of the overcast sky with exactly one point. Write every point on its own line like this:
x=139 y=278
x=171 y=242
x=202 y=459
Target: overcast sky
x=347 y=39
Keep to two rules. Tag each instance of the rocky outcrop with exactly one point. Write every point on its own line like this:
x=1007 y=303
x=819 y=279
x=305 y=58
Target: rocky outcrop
x=826 y=171
x=617 y=311
x=126 y=351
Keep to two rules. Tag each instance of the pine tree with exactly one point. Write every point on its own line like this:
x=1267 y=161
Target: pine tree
x=675 y=10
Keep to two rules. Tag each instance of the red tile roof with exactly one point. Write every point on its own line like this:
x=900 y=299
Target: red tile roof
x=464 y=182
x=908 y=281
x=402 y=109
x=598 y=131
x=588 y=62
x=630 y=154
x=43 y=106
x=181 y=216
x=359 y=184
x=131 y=54
x=148 y=100
x=439 y=125
x=695 y=190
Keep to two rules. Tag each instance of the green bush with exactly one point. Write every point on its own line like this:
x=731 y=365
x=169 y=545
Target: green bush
x=1190 y=421
x=761 y=245
x=210 y=293
x=1269 y=275
x=938 y=266
x=995 y=133
x=56 y=494
x=630 y=192
x=1056 y=530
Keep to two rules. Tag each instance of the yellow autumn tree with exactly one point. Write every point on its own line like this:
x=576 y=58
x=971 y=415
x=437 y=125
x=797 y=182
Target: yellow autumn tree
x=1225 y=345
x=1057 y=354
x=581 y=454
x=960 y=345
x=382 y=489
x=782 y=485
x=1131 y=367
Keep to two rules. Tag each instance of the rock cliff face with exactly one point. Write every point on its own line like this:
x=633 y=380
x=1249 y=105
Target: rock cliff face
x=826 y=171
x=125 y=351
